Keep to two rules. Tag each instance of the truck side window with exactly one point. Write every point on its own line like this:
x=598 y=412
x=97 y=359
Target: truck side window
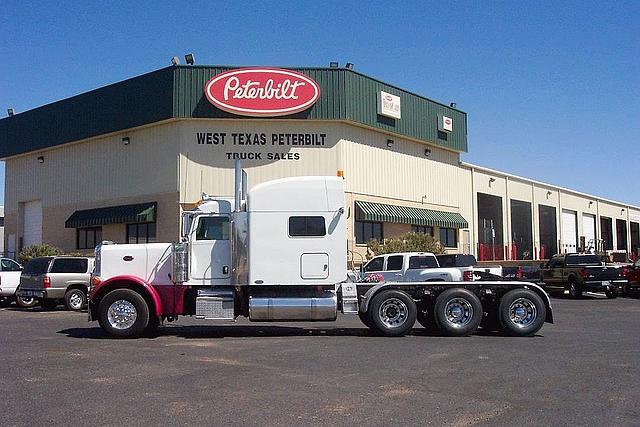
x=417 y=262
x=394 y=263
x=307 y=226
x=375 y=264
x=213 y=228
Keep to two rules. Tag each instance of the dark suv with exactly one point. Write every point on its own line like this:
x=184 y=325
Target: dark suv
x=52 y=280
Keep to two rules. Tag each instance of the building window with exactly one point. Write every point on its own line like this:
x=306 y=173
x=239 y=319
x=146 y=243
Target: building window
x=144 y=232
x=88 y=238
x=366 y=231
x=307 y=226
x=449 y=237
x=422 y=229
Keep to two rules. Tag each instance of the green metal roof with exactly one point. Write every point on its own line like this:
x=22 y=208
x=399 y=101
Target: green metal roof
x=178 y=92
x=370 y=211
x=142 y=212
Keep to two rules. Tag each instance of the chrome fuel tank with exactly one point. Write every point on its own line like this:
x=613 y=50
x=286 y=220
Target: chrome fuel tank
x=321 y=307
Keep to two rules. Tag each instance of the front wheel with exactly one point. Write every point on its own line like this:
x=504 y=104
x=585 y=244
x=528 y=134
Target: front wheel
x=25 y=302
x=123 y=313
x=521 y=313
x=392 y=312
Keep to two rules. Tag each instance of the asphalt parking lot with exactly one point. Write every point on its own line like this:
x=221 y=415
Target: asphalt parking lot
x=57 y=368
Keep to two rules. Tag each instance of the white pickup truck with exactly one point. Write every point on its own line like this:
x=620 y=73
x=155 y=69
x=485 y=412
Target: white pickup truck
x=10 y=272
x=414 y=267
x=464 y=261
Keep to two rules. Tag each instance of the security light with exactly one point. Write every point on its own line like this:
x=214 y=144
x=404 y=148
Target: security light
x=349 y=66
x=175 y=60
x=453 y=105
x=333 y=64
x=126 y=140
x=427 y=152
x=189 y=59
x=40 y=159
x=389 y=142
x=11 y=111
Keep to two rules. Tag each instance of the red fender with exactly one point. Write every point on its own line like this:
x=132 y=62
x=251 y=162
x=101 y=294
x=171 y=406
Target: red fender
x=134 y=280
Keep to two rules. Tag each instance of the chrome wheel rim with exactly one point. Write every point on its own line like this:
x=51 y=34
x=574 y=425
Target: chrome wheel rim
x=458 y=312
x=393 y=312
x=122 y=314
x=26 y=300
x=76 y=300
x=523 y=312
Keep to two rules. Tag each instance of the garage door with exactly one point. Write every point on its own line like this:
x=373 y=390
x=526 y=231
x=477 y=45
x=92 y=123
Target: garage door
x=569 y=231
x=589 y=231
x=32 y=223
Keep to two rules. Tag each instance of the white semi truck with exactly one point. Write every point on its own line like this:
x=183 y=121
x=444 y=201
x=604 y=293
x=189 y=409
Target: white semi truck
x=278 y=253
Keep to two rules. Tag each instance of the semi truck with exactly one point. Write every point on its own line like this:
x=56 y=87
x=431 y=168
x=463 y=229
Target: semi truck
x=279 y=253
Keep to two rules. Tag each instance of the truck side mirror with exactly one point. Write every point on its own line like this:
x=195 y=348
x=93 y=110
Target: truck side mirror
x=185 y=227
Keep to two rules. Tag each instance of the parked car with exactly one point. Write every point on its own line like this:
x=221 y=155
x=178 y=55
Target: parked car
x=463 y=261
x=9 y=280
x=52 y=280
x=632 y=273
x=413 y=267
x=582 y=272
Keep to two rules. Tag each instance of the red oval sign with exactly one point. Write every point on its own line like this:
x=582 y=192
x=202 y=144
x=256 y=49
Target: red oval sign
x=447 y=121
x=263 y=92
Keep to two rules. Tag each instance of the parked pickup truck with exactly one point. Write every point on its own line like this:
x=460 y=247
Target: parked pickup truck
x=54 y=279
x=632 y=273
x=414 y=267
x=464 y=261
x=582 y=272
x=9 y=280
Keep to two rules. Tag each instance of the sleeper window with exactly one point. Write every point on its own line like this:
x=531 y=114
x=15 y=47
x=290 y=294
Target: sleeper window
x=306 y=226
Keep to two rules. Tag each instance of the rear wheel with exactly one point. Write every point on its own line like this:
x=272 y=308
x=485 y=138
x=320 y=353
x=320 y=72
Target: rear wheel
x=25 y=302
x=611 y=294
x=123 y=313
x=457 y=312
x=48 y=304
x=574 y=289
x=75 y=299
x=392 y=312
x=521 y=313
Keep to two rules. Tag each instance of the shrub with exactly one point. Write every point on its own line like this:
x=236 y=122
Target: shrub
x=409 y=242
x=33 y=251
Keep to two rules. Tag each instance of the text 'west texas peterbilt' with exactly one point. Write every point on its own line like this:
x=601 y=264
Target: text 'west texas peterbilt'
x=278 y=253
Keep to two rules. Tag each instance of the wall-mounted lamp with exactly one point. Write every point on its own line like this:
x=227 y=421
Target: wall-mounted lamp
x=492 y=180
x=423 y=197
x=453 y=105
x=548 y=194
x=10 y=112
x=389 y=142
x=40 y=159
x=590 y=203
x=333 y=64
x=126 y=140
x=427 y=152
x=349 y=66
x=175 y=60
x=622 y=211
x=190 y=59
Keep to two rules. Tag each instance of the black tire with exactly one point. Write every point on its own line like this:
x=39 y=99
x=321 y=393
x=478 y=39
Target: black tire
x=521 y=313
x=574 y=289
x=4 y=302
x=26 y=302
x=138 y=315
x=612 y=294
x=75 y=299
x=392 y=312
x=48 y=304
x=457 y=312
x=365 y=319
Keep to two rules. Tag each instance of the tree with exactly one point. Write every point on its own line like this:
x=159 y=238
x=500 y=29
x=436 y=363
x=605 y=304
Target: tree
x=33 y=251
x=408 y=242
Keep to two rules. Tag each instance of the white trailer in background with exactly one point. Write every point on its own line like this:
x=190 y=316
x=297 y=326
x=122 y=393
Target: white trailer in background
x=278 y=253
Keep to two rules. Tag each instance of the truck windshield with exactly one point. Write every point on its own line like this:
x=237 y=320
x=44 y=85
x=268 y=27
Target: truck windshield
x=37 y=266
x=583 y=260
x=416 y=262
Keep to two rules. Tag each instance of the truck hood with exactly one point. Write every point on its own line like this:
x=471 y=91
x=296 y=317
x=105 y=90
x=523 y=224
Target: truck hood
x=150 y=262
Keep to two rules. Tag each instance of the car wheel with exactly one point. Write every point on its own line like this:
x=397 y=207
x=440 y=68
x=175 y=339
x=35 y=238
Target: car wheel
x=574 y=289
x=48 y=304
x=75 y=299
x=611 y=294
x=123 y=313
x=4 y=302
x=392 y=312
x=458 y=312
x=26 y=302
x=521 y=313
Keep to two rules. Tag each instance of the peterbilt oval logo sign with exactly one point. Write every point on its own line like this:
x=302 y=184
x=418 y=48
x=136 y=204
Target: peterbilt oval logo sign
x=262 y=92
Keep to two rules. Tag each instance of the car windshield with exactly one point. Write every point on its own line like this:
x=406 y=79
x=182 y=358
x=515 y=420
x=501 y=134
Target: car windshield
x=583 y=260
x=37 y=266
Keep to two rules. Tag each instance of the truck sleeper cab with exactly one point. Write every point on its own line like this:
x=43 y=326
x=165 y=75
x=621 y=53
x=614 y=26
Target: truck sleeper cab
x=279 y=254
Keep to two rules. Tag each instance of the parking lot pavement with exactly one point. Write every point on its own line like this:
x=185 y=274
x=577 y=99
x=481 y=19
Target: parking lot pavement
x=57 y=368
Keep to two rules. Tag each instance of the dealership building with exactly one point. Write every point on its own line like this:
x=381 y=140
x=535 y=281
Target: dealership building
x=121 y=162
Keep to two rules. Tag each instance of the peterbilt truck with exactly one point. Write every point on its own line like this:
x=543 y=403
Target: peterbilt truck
x=278 y=253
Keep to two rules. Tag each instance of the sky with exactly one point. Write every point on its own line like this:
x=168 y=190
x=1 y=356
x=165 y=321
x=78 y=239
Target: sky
x=551 y=89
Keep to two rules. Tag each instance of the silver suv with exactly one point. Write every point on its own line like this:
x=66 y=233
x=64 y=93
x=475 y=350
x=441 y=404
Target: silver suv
x=54 y=279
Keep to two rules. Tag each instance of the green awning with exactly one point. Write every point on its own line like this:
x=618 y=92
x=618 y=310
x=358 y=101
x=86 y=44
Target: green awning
x=370 y=211
x=142 y=212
